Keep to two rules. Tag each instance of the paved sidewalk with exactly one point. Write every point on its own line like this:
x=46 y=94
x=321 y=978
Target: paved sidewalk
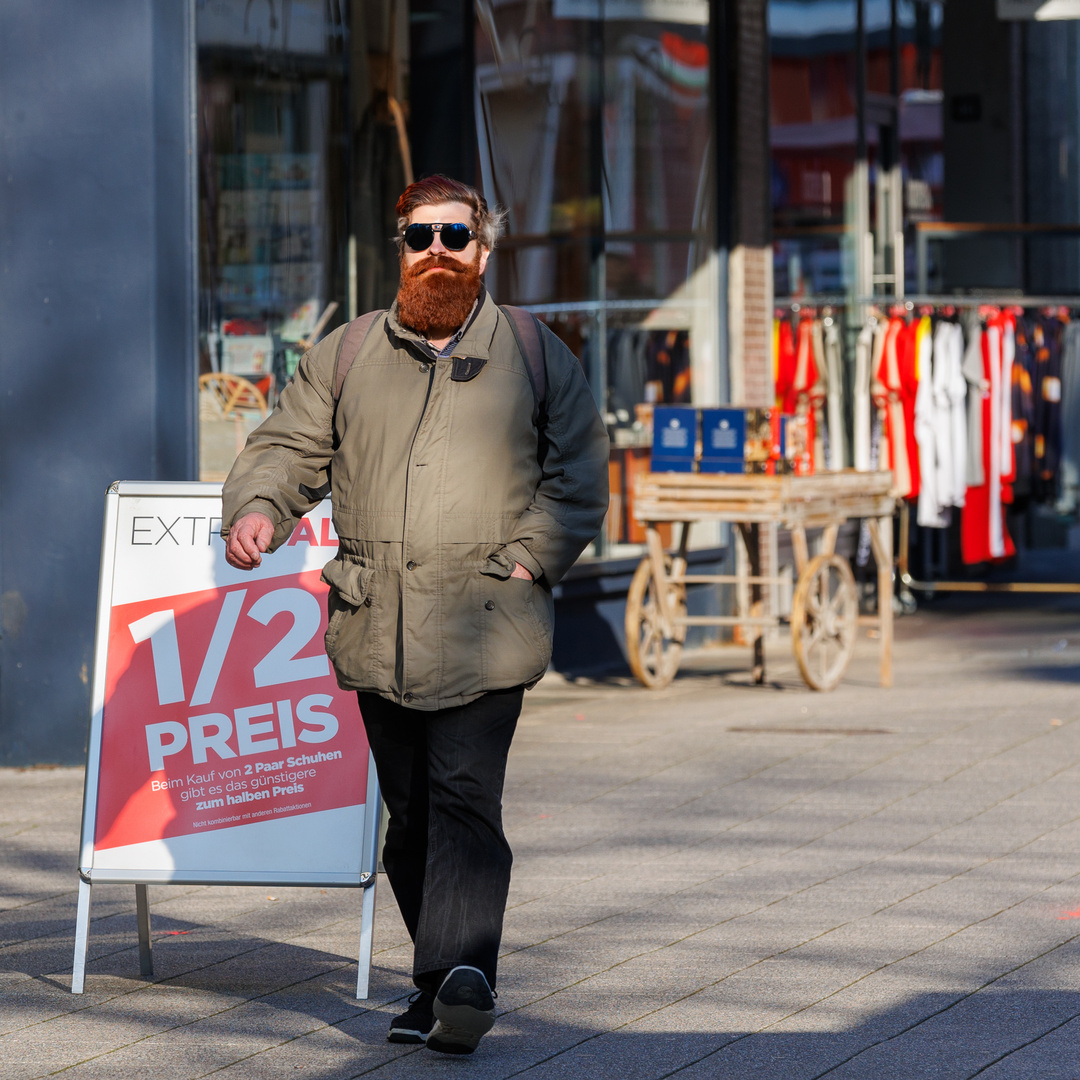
x=714 y=881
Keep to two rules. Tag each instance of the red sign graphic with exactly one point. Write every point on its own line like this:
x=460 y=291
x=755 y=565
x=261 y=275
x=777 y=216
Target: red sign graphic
x=221 y=709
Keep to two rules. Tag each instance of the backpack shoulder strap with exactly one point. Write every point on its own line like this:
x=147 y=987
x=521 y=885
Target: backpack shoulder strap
x=530 y=341
x=349 y=349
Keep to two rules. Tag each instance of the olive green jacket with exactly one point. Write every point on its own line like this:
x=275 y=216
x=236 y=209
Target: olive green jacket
x=439 y=486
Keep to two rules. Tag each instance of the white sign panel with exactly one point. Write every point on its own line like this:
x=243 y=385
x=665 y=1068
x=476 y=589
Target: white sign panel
x=221 y=749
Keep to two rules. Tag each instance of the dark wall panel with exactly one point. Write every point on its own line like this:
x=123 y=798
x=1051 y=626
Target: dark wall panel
x=442 y=123
x=95 y=357
x=980 y=185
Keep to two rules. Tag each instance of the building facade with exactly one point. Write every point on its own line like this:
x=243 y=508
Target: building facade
x=195 y=189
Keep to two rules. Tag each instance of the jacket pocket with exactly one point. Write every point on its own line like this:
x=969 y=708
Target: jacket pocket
x=516 y=636
x=499 y=565
x=351 y=581
x=350 y=637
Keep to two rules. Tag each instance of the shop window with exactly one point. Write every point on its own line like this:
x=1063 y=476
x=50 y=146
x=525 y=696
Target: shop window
x=301 y=153
x=820 y=198
x=594 y=129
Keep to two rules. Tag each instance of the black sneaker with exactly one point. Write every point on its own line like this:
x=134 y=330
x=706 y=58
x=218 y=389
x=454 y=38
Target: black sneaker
x=464 y=1012
x=413 y=1025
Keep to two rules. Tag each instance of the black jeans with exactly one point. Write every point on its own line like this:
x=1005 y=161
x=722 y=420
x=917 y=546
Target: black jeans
x=448 y=862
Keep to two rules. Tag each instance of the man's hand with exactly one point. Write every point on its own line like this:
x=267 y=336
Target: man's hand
x=248 y=539
x=519 y=571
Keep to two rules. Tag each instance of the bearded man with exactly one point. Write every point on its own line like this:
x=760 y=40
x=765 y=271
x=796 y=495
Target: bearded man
x=463 y=488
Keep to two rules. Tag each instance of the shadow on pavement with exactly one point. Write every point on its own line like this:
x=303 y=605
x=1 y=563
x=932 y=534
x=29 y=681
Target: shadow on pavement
x=1062 y=673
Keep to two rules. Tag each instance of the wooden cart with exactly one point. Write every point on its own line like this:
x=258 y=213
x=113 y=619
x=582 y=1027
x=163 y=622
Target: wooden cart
x=825 y=606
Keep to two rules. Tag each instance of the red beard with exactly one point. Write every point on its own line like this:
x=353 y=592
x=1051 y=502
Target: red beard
x=435 y=305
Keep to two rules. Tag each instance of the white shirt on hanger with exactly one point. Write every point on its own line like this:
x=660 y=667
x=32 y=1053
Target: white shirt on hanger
x=930 y=513
x=957 y=389
x=861 y=407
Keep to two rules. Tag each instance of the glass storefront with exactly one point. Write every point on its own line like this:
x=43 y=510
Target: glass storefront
x=926 y=247
x=595 y=131
x=302 y=149
x=839 y=170
x=593 y=127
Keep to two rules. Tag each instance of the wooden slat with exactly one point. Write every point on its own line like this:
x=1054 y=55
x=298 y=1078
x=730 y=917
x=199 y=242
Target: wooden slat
x=810 y=501
x=727 y=620
x=724 y=579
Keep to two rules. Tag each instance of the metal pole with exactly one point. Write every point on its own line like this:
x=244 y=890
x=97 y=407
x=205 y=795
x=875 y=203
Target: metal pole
x=142 y=910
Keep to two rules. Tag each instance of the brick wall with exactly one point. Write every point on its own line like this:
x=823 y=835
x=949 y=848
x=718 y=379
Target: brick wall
x=750 y=293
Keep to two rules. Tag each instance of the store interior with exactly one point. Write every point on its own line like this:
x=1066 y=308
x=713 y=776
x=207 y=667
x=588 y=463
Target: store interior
x=925 y=173
x=924 y=166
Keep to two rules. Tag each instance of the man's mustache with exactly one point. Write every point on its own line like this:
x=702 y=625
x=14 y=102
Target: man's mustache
x=444 y=262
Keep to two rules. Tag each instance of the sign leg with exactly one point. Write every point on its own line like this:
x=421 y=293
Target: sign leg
x=142 y=910
x=367 y=925
x=82 y=934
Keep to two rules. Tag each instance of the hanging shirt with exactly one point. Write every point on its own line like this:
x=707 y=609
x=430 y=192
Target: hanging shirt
x=861 y=403
x=908 y=361
x=1048 y=394
x=983 y=536
x=783 y=360
x=797 y=379
x=931 y=513
x=975 y=377
x=958 y=391
x=1023 y=408
x=950 y=416
x=891 y=391
x=818 y=394
x=1008 y=355
x=838 y=455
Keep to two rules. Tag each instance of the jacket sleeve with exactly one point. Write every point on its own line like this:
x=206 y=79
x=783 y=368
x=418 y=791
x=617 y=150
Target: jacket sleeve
x=568 y=508
x=291 y=448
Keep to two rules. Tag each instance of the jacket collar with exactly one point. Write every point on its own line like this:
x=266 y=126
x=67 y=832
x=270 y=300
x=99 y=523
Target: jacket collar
x=475 y=342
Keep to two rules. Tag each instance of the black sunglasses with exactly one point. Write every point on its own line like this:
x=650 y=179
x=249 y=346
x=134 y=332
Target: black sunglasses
x=454 y=237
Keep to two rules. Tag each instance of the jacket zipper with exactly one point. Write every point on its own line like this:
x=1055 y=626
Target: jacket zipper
x=405 y=531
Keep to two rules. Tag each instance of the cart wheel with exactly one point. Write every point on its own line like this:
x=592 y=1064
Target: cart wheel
x=824 y=615
x=654 y=658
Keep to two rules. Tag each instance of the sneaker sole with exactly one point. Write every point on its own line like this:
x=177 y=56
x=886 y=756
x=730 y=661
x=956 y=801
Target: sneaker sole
x=459 y=1028
x=405 y=1035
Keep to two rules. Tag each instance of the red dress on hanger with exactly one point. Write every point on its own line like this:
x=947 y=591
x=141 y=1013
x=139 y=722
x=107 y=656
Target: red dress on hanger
x=784 y=360
x=797 y=375
x=893 y=387
x=983 y=535
x=907 y=361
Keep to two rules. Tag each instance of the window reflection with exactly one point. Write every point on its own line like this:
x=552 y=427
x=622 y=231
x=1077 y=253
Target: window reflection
x=594 y=123
x=302 y=151
x=271 y=110
x=813 y=133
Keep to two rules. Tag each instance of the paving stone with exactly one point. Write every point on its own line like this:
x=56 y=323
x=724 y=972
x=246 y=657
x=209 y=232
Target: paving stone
x=687 y=900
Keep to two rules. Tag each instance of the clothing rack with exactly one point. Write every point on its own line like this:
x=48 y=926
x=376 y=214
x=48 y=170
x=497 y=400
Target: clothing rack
x=973 y=301
x=796 y=303
x=907 y=583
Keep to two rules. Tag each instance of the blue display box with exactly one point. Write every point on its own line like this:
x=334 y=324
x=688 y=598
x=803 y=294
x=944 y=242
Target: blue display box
x=723 y=440
x=674 y=438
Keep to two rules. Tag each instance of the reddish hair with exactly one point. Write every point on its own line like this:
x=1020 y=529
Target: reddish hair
x=432 y=190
